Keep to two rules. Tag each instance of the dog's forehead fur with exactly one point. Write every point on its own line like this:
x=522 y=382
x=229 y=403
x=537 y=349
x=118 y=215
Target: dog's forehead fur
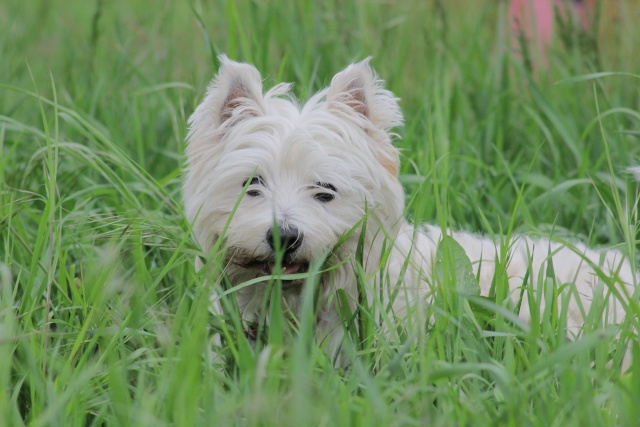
x=306 y=147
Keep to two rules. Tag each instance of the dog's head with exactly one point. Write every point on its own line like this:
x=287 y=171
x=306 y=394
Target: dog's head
x=267 y=174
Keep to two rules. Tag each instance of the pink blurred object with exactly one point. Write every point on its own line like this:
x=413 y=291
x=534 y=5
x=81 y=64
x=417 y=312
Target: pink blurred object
x=535 y=18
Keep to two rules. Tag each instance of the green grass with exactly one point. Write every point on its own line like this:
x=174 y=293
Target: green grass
x=103 y=320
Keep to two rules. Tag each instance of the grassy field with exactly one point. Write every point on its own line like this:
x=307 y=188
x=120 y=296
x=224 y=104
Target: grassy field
x=103 y=320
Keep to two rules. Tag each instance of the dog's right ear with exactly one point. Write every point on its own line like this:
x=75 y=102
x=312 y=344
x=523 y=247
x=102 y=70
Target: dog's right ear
x=234 y=95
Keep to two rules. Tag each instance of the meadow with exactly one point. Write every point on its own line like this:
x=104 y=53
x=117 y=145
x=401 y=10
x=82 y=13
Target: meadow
x=103 y=319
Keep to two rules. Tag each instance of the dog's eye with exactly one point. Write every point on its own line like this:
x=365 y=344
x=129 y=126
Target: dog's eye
x=325 y=197
x=256 y=180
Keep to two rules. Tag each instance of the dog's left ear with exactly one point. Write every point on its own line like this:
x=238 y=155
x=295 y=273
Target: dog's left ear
x=358 y=92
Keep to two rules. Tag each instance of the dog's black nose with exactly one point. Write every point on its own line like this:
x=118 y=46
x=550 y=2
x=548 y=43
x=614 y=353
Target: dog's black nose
x=290 y=239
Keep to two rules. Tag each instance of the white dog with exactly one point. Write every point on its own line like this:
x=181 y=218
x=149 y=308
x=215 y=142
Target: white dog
x=265 y=173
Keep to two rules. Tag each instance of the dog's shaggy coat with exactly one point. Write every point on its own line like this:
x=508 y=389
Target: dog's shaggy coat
x=300 y=177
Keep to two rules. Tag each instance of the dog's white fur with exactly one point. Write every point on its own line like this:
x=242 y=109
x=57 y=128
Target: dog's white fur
x=341 y=137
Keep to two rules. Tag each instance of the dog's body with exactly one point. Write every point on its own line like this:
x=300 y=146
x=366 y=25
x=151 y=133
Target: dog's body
x=300 y=179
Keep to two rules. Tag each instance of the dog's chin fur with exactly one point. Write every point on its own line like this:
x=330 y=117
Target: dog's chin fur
x=255 y=161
